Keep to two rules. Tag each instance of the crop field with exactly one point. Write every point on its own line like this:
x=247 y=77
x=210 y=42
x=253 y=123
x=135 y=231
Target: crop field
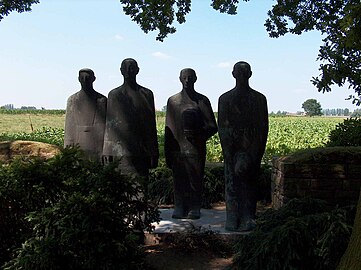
x=286 y=134
x=12 y=123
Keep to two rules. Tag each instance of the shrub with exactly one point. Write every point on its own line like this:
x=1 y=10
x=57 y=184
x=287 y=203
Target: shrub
x=304 y=234
x=160 y=186
x=79 y=214
x=45 y=134
x=214 y=149
x=347 y=133
x=213 y=186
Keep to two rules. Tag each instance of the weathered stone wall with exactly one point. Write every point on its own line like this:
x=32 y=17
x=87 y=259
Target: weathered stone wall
x=332 y=174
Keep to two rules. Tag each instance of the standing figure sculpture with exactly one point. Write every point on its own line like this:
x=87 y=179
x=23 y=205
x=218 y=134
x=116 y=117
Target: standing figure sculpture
x=243 y=130
x=130 y=133
x=85 y=117
x=190 y=122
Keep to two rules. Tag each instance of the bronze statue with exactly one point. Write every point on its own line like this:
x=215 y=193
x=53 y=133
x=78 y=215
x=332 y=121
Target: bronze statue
x=130 y=133
x=190 y=122
x=243 y=129
x=85 y=117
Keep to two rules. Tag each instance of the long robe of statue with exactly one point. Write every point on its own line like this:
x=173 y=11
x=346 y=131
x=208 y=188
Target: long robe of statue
x=243 y=129
x=131 y=133
x=189 y=123
x=85 y=118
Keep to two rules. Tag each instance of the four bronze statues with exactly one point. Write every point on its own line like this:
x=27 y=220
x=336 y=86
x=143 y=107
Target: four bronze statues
x=123 y=128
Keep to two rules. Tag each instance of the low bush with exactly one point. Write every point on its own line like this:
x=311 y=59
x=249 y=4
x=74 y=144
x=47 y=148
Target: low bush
x=347 y=133
x=304 y=234
x=69 y=213
x=45 y=134
x=213 y=186
x=160 y=186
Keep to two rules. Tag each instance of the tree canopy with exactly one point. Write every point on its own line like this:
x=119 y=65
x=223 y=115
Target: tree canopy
x=7 y=6
x=340 y=23
x=312 y=107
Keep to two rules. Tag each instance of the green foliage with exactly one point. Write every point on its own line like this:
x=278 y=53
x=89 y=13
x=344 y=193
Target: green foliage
x=304 y=234
x=340 y=24
x=160 y=187
x=79 y=215
x=18 y=111
x=286 y=135
x=153 y=15
x=312 y=107
x=214 y=149
x=347 y=133
x=213 y=186
x=7 y=6
x=290 y=134
x=45 y=134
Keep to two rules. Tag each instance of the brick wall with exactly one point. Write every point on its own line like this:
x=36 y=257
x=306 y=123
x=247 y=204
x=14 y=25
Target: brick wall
x=331 y=174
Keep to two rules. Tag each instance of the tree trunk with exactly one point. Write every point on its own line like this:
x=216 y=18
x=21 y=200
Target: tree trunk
x=351 y=260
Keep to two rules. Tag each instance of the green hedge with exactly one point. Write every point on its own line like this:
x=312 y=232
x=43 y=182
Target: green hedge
x=68 y=213
x=304 y=234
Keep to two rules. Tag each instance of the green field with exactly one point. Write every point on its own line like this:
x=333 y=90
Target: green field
x=12 y=123
x=286 y=134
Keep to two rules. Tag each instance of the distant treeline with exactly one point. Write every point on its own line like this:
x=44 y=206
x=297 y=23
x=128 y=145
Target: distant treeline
x=31 y=111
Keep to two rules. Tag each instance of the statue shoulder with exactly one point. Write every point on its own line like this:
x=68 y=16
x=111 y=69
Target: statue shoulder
x=114 y=92
x=73 y=98
x=175 y=98
x=259 y=95
x=227 y=96
x=146 y=91
x=202 y=97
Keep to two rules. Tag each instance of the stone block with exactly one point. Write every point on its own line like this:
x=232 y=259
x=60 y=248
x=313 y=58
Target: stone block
x=354 y=171
x=326 y=184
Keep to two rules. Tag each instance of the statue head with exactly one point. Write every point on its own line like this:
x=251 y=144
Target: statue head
x=129 y=68
x=188 y=77
x=86 y=78
x=242 y=71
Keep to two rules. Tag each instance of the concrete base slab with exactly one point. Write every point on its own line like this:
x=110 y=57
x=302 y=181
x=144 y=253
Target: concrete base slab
x=211 y=219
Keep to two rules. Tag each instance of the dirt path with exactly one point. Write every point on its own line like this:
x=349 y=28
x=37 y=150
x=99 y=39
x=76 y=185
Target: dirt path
x=164 y=257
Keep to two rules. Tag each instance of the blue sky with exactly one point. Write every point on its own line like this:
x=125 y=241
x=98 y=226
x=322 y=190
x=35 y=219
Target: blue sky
x=42 y=51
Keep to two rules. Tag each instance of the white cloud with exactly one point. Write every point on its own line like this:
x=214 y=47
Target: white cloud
x=224 y=65
x=161 y=55
x=119 y=37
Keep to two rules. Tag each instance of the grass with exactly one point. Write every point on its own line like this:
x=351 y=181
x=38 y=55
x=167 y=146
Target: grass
x=12 y=123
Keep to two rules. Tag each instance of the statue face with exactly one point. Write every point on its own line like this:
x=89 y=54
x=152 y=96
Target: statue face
x=86 y=79
x=188 y=78
x=129 y=68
